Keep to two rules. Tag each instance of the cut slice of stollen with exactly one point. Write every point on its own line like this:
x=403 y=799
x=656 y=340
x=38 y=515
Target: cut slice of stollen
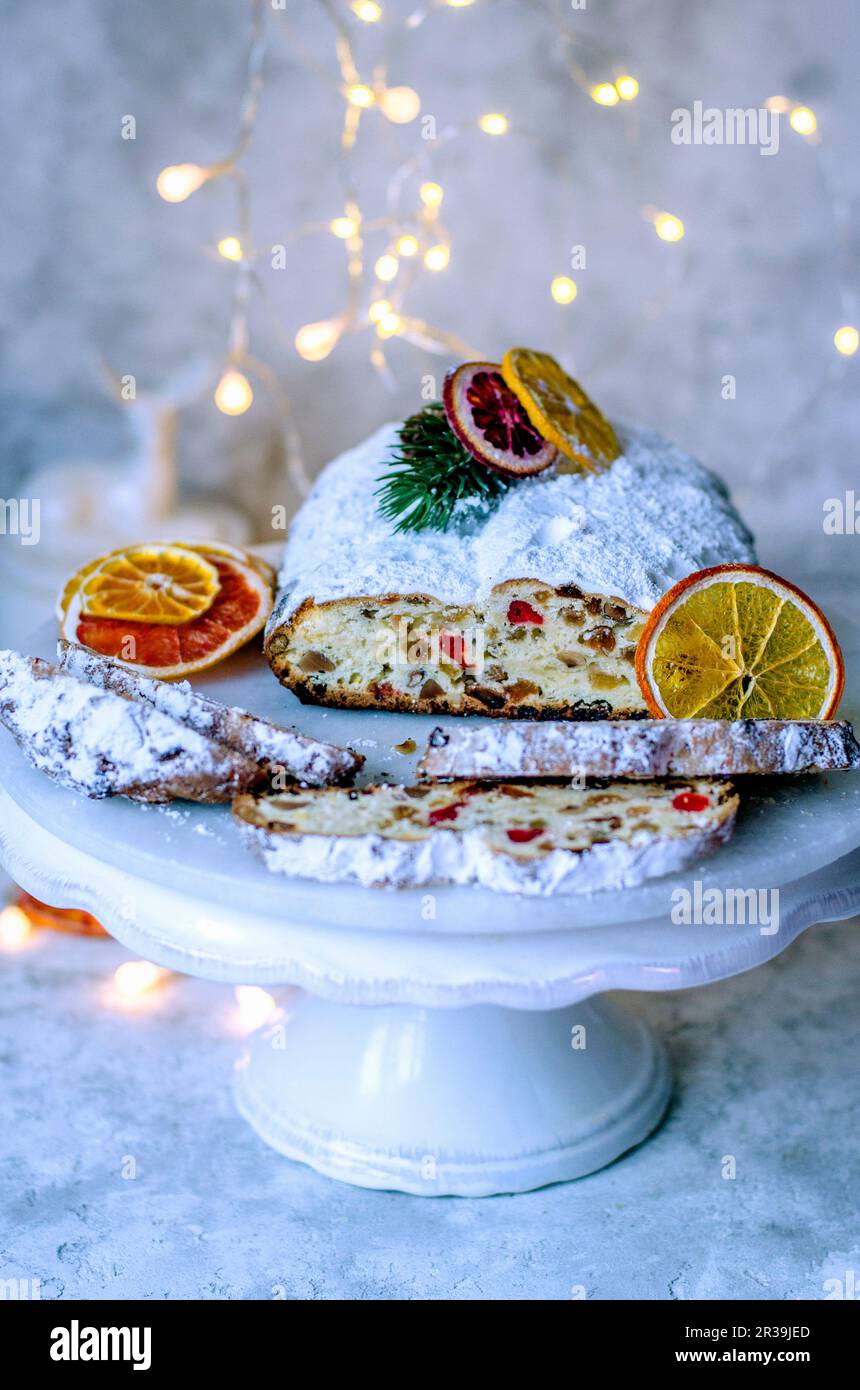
x=646 y=748
x=510 y=838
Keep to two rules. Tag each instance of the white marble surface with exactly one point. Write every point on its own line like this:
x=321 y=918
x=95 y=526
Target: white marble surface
x=765 y=1068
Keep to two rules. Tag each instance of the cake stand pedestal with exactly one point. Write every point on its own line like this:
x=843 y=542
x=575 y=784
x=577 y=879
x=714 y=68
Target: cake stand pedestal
x=449 y=1061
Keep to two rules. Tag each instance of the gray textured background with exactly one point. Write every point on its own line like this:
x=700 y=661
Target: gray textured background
x=95 y=261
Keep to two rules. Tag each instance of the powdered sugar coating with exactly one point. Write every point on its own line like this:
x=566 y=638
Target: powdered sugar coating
x=100 y=744
x=654 y=516
x=301 y=757
x=646 y=748
x=445 y=858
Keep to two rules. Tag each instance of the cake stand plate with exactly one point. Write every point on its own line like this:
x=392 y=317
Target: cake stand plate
x=440 y=1042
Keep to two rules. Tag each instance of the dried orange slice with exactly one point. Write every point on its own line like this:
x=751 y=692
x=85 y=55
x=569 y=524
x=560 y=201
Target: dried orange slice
x=559 y=408
x=174 y=651
x=150 y=584
x=737 y=642
x=208 y=549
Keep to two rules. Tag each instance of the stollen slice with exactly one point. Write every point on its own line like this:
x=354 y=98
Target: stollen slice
x=269 y=745
x=510 y=838
x=644 y=748
x=99 y=744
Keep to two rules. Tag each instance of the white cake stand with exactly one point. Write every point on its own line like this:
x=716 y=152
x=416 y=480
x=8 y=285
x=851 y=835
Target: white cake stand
x=378 y=1073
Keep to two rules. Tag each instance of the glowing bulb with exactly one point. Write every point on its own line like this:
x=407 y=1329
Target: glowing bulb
x=803 y=120
x=400 y=104
x=407 y=245
x=136 y=978
x=343 y=227
x=378 y=309
x=14 y=928
x=605 y=94
x=778 y=103
x=494 y=123
x=230 y=248
x=367 y=10
x=459 y=4
x=314 y=341
x=563 y=289
x=386 y=267
x=847 y=340
x=437 y=257
x=254 y=1006
x=389 y=324
x=233 y=394
x=360 y=95
x=627 y=87
x=431 y=194
x=178 y=181
x=668 y=228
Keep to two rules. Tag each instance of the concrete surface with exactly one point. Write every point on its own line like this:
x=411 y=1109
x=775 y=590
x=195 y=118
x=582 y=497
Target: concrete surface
x=766 y=1072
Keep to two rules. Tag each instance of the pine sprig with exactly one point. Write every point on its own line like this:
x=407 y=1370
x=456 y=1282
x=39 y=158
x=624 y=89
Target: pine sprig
x=433 y=472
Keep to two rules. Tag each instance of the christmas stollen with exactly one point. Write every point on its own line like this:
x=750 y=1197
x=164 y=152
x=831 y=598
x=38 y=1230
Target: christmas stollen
x=268 y=745
x=647 y=748
x=99 y=744
x=510 y=838
x=530 y=609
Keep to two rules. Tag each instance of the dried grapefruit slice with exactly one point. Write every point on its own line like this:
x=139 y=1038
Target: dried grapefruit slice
x=737 y=642
x=152 y=584
x=559 y=408
x=172 y=652
x=490 y=422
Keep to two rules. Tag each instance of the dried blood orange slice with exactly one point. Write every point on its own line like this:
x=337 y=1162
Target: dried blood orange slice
x=172 y=652
x=489 y=421
x=208 y=549
x=559 y=408
x=737 y=642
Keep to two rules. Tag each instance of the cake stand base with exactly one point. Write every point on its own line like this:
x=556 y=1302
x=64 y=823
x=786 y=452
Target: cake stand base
x=453 y=1102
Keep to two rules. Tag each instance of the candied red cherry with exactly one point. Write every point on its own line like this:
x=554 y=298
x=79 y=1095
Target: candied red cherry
x=491 y=423
x=522 y=837
x=691 y=801
x=521 y=612
x=445 y=812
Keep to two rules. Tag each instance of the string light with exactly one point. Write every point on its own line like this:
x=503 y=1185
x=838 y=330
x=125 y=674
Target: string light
x=253 y=1007
x=400 y=104
x=668 y=228
x=386 y=267
x=135 y=978
x=779 y=104
x=459 y=4
x=233 y=394
x=343 y=227
x=14 y=928
x=407 y=245
x=563 y=289
x=847 y=340
x=360 y=95
x=437 y=257
x=366 y=10
x=627 y=87
x=494 y=123
x=378 y=309
x=388 y=324
x=178 y=181
x=802 y=120
x=230 y=248
x=431 y=194
x=605 y=94
x=314 y=341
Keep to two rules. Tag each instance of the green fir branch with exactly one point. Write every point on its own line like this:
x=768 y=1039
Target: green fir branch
x=432 y=473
